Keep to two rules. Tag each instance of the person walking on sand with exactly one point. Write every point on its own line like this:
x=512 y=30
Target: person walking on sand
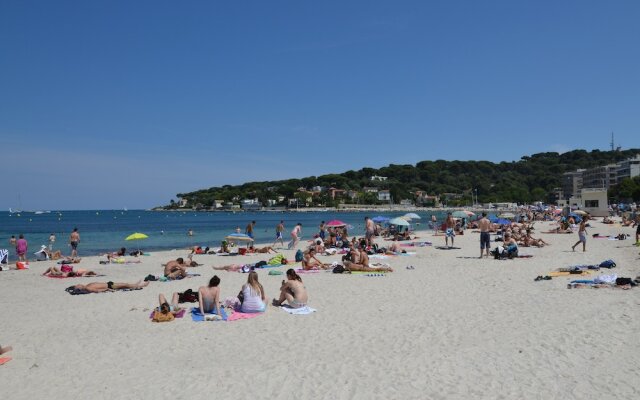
x=485 y=239
x=369 y=231
x=582 y=236
x=74 y=239
x=279 y=230
x=449 y=232
x=295 y=236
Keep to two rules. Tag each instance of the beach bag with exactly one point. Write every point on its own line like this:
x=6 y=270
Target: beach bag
x=22 y=265
x=260 y=264
x=608 y=264
x=189 y=296
x=159 y=316
x=276 y=260
x=338 y=269
x=625 y=281
x=299 y=255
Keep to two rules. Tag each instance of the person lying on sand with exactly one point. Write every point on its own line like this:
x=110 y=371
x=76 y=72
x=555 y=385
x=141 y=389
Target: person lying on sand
x=70 y=260
x=116 y=254
x=266 y=250
x=309 y=261
x=54 y=271
x=99 y=287
x=292 y=291
x=5 y=349
x=165 y=307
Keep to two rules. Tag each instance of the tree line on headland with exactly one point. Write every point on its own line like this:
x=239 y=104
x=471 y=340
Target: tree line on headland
x=532 y=178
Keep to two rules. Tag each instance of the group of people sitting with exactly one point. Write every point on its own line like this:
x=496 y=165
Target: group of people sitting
x=356 y=259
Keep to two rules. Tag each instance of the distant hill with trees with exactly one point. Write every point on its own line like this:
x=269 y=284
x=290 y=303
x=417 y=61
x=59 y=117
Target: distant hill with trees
x=532 y=178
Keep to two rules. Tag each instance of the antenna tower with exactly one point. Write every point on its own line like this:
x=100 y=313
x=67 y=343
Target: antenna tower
x=612 y=143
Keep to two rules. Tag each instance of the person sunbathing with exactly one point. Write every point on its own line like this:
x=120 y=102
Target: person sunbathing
x=224 y=248
x=54 y=271
x=309 y=261
x=265 y=249
x=252 y=297
x=199 y=250
x=99 y=287
x=175 y=269
x=292 y=291
x=209 y=297
x=116 y=254
x=363 y=264
x=394 y=249
x=70 y=260
x=165 y=307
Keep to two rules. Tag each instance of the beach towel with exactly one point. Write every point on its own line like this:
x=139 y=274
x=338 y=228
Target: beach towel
x=416 y=244
x=4 y=360
x=447 y=248
x=237 y=315
x=298 y=311
x=179 y=314
x=567 y=273
x=197 y=317
x=310 y=271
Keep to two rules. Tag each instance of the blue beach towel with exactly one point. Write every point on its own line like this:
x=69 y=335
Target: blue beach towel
x=197 y=317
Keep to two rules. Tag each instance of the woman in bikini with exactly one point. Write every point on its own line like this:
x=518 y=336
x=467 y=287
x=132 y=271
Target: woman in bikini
x=98 y=287
x=292 y=291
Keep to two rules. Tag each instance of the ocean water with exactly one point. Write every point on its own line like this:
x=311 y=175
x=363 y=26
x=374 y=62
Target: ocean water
x=105 y=230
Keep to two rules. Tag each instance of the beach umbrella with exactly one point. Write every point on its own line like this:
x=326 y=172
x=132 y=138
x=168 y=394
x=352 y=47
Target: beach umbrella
x=580 y=212
x=136 y=236
x=507 y=215
x=336 y=223
x=379 y=219
x=239 y=237
x=460 y=214
x=398 y=222
x=412 y=216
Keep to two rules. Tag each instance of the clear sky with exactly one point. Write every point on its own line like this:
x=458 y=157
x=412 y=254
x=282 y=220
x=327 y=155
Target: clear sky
x=111 y=104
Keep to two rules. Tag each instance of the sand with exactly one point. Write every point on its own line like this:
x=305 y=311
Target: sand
x=455 y=327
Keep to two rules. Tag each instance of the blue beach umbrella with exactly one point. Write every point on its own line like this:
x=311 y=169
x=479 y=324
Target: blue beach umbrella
x=379 y=219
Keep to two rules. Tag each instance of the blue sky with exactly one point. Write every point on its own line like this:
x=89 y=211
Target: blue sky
x=111 y=104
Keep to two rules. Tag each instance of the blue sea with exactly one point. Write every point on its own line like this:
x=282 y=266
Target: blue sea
x=106 y=230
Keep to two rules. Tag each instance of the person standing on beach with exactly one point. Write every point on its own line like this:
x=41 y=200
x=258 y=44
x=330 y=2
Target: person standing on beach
x=582 y=236
x=434 y=222
x=249 y=229
x=485 y=238
x=190 y=232
x=21 y=248
x=369 y=230
x=323 y=231
x=450 y=232
x=295 y=236
x=279 y=230
x=52 y=240
x=74 y=239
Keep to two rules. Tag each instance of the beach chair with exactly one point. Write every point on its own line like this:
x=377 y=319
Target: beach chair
x=41 y=255
x=4 y=259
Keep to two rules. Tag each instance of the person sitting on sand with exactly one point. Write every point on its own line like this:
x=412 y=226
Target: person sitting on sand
x=224 y=247
x=394 y=249
x=363 y=263
x=252 y=295
x=54 y=271
x=607 y=220
x=510 y=245
x=209 y=297
x=175 y=269
x=199 y=250
x=309 y=261
x=99 y=287
x=529 y=240
x=292 y=291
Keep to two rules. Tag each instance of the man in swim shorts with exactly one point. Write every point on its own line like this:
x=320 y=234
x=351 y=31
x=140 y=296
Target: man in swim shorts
x=485 y=238
x=74 y=239
x=449 y=232
x=279 y=230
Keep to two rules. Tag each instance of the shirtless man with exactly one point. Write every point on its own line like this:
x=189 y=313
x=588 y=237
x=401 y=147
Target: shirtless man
x=74 y=239
x=309 y=261
x=279 y=230
x=98 y=287
x=485 y=239
x=449 y=233
x=209 y=297
x=175 y=269
x=370 y=230
x=292 y=291
x=265 y=249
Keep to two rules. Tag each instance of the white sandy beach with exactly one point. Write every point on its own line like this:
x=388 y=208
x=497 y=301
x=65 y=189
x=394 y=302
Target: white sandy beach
x=455 y=327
